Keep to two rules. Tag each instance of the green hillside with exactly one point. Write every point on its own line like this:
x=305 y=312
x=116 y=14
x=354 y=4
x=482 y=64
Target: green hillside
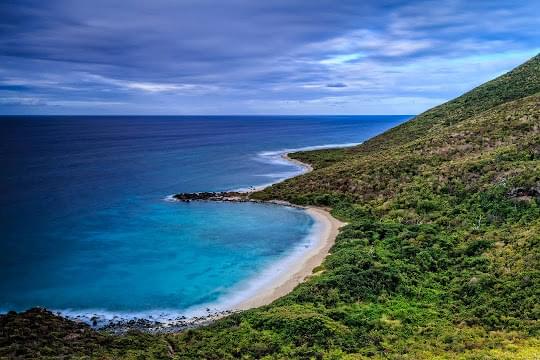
x=440 y=260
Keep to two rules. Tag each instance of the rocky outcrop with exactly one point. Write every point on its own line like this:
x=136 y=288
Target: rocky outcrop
x=230 y=196
x=212 y=196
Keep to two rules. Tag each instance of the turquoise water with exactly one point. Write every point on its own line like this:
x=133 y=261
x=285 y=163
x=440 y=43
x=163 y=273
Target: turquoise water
x=86 y=228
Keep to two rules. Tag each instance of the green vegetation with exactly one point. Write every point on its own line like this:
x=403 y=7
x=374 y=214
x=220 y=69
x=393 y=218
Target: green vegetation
x=440 y=260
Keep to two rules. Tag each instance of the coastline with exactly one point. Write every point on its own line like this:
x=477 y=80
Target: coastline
x=307 y=167
x=298 y=271
x=284 y=155
x=276 y=281
x=293 y=271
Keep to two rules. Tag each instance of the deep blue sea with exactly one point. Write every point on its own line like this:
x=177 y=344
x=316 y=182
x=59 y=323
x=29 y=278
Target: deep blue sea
x=84 y=222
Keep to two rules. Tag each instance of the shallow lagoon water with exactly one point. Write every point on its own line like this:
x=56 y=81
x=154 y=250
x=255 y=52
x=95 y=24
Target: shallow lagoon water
x=85 y=227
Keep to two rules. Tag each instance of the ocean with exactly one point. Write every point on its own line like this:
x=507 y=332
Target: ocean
x=86 y=227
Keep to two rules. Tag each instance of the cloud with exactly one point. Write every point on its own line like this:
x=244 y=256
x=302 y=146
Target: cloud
x=196 y=56
x=341 y=59
x=22 y=101
x=367 y=43
x=337 y=85
x=151 y=87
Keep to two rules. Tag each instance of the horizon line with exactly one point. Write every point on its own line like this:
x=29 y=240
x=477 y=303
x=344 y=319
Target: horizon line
x=195 y=115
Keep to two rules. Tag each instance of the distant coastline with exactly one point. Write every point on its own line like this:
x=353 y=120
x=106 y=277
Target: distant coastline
x=282 y=157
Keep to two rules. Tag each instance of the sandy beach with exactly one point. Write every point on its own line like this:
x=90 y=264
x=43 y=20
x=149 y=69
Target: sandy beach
x=307 y=168
x=298 y=271
x=286 y=275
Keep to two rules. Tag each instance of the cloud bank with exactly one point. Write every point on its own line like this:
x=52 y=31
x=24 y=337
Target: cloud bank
x=251 y=57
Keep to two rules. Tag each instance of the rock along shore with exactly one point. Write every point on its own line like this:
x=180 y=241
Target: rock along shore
x=231 y=196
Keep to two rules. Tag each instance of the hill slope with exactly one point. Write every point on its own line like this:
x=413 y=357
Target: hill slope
x=441 y=257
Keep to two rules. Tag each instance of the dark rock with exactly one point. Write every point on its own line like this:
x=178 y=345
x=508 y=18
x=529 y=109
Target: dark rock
x=94 y=320
x=212 y=196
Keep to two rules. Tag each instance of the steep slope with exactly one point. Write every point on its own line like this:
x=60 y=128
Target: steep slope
x=382 y=174
x=521 y=82
x=518 y=83
x=392 y=157
x=441 y=257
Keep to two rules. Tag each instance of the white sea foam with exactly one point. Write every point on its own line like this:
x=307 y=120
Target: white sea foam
x=103 y=317
x=170 y=198
x=278 y=157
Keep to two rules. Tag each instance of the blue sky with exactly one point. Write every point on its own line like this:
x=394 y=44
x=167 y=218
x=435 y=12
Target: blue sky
x=255 y=57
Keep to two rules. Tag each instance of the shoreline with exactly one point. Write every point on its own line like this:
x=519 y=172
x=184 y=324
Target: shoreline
x=307 y=167
x=298 y=271
x=294 y=270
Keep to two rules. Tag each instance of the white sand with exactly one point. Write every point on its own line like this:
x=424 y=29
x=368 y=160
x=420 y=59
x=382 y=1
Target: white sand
x=298 y=271
x=307 y=168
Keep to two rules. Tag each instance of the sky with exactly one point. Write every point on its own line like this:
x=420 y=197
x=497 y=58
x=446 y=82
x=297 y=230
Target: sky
x=168 y=57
